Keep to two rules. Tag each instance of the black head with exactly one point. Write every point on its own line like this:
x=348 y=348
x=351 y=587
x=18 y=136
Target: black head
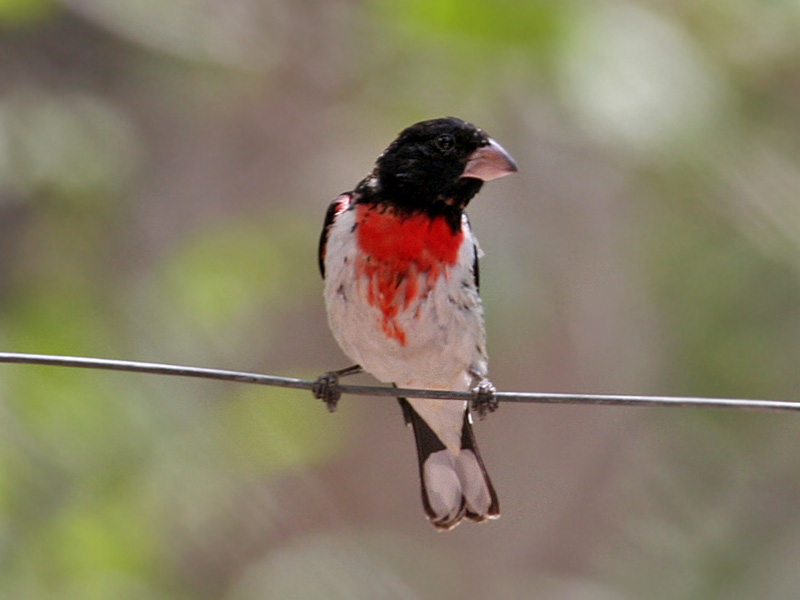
x=440 y=161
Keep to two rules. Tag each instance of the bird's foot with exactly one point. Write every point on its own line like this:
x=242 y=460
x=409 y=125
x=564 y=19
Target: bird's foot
x=326 y=386
x=484 y=400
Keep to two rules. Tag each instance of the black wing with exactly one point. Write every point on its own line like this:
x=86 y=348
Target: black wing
x=336 y=207
x=476 y=272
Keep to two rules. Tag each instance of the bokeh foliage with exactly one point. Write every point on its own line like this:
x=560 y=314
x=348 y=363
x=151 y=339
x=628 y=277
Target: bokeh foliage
x=164 y=169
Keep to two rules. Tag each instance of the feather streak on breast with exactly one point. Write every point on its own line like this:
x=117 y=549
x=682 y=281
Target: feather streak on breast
x=401 y=257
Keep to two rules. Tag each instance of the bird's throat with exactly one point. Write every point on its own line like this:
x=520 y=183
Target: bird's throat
x=401 y=240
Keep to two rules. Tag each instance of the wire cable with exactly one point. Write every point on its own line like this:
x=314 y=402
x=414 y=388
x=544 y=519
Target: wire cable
x=368 y=390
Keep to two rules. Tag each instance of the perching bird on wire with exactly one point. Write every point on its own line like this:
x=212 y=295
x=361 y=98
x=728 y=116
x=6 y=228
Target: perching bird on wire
x=400 y=265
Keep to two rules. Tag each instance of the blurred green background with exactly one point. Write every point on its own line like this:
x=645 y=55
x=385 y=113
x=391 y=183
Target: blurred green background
x=164 y=170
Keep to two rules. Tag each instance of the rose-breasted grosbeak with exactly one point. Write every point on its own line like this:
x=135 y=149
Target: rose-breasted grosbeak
x=400 y=265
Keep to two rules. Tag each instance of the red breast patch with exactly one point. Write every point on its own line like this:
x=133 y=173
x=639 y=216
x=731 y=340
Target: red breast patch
x=401 y=258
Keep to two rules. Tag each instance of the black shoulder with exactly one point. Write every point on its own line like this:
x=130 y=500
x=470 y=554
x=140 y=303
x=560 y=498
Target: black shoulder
x=336 y=207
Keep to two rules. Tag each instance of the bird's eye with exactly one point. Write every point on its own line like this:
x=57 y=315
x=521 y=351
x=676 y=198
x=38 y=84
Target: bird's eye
x=445 y=142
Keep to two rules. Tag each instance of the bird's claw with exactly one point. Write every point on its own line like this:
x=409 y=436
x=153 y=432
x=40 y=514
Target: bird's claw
x=484 y=400
x=326 y=388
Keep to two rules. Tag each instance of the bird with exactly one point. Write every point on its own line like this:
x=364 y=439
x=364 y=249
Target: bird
x=400 y=268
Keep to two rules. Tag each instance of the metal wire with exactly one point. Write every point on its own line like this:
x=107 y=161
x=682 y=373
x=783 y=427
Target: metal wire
x=368 y=390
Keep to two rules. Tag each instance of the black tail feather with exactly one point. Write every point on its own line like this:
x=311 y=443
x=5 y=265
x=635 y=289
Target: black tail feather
x=427 y=443
x=468 y=443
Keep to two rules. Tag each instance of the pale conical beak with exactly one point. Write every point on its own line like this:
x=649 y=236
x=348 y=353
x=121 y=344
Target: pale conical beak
x=489 y=162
